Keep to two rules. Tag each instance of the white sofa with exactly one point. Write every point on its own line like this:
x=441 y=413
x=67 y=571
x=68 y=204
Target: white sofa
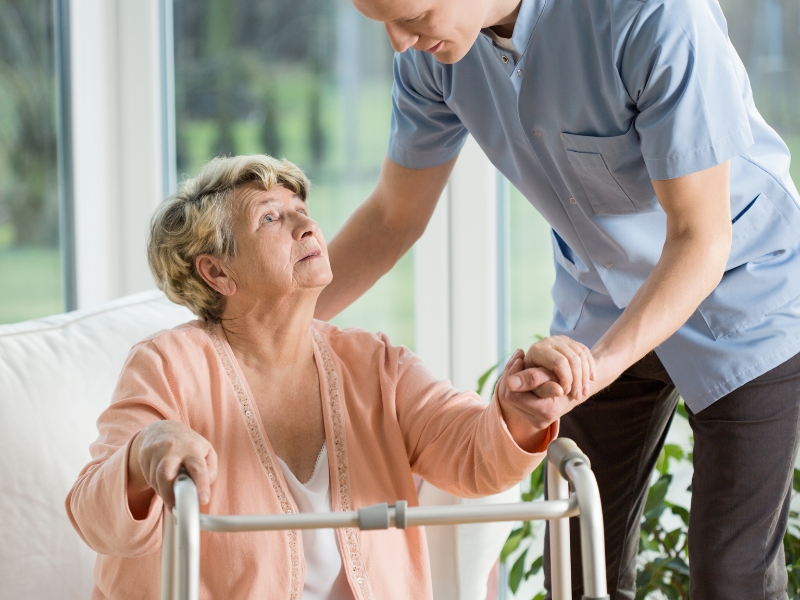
x=56 y=376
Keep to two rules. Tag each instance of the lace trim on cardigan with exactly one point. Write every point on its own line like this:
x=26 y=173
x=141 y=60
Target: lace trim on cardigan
x=263 y=455
x=342 y=469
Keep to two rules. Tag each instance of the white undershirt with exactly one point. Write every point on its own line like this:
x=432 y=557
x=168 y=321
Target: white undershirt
x=325 y=577
x=504 y=43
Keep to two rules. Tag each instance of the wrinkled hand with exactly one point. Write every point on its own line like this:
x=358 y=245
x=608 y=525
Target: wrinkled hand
x=528 y=416
x=571 y=362
x=156 y=457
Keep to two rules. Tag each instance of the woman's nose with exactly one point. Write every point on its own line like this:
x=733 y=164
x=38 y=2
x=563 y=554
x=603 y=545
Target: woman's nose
x=400 y=39
x=305 y=226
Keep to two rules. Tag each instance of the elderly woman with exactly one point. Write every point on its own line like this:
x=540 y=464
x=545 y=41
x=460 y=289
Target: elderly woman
x=271 y=411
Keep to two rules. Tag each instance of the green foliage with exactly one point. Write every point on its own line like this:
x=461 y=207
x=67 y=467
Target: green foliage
x=484 y=378
x=28 y=182
x=663 y=561
x=663 y=550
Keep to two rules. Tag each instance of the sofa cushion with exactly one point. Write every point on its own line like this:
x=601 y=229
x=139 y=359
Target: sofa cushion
x=56 y=376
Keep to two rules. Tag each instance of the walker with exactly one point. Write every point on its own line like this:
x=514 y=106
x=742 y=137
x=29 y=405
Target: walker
x=180 y=551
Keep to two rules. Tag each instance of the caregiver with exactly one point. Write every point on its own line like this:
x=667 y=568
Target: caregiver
x=630 y=125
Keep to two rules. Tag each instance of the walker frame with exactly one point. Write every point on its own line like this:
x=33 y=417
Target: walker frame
x=569 y=469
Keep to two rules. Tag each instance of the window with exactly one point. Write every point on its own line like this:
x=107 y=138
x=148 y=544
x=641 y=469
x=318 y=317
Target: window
x=531 y=273
x=30 y=259
x=766 y=34
x=304 y=79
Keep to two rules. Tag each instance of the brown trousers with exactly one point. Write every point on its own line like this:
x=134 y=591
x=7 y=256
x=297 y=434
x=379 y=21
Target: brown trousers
x=744 y=452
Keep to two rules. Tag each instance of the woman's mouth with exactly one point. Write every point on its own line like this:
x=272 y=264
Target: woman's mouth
x=313 y=254
x=435 y=48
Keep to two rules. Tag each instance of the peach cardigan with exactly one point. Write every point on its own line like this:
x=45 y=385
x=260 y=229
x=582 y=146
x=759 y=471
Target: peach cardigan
x=386 y=417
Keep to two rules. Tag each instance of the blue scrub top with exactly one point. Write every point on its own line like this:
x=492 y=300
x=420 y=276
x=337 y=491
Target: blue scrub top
x=605 y=97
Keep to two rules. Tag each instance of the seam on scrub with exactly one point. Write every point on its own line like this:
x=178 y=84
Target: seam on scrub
x=409 y=153
x=783 y=187
x=756 y=319
x=745 y=372
x=675 y=157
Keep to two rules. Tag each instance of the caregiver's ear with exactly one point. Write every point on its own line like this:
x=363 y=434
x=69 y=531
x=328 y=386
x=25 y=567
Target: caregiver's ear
x=216 y=274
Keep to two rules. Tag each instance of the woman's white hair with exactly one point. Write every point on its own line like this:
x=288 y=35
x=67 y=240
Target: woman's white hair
x=198 y=220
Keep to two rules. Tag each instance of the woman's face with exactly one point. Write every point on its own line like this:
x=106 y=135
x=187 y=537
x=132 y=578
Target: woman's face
x=280 y=249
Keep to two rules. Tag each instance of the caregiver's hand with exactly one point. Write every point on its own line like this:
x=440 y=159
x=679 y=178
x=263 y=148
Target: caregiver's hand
x=528 y=416
x=570 y=361
x=156 y=457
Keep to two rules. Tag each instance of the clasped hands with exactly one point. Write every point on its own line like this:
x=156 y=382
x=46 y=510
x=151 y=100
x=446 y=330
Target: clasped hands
x=537 y=387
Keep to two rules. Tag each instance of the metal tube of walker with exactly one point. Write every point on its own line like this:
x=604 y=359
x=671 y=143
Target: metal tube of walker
x=167 y=555
x=560 y=564
x=593 y=552
x=187 y=534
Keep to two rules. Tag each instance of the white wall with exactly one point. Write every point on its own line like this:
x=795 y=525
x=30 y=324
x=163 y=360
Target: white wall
x=117 y=142
x=456 y=335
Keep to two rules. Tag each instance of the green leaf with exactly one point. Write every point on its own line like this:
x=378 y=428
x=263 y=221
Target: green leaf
x=669 y=591
x=512 y=543
x=540 y=596
x=679 y=566
x=671 y=539
x=658 y=491
x=484 y=378
x=681 y=410
x=796 y=480
x=679 y=511
x=673 y=451
x=535 y=567
x=643 y=578
x=536 y=484
x=515 y=577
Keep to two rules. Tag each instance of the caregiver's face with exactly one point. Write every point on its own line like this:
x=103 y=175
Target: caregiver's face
x=445 y=28
x=280 y=249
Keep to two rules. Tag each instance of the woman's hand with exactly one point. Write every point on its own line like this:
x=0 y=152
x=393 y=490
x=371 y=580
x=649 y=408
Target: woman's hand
x=155 y=459
x=570 y=361
x=526 y=413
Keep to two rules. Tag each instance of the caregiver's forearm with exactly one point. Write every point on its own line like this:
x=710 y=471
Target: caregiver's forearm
x=688 y=271
x=380 y=232
x=366 y=248
x=691 y=265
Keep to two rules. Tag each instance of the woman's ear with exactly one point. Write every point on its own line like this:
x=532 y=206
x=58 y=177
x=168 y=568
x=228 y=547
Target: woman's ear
x=216 y=274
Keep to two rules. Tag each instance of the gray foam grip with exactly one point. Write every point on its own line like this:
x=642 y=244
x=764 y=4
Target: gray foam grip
x=374 y=517
x=400 y=515
x=561 y=451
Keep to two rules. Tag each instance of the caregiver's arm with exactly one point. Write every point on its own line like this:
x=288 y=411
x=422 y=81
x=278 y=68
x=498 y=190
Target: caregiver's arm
x=381 y=231
x=692 y=263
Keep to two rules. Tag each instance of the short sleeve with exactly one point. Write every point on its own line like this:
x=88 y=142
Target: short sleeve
x=688 y=85
x=424 y=130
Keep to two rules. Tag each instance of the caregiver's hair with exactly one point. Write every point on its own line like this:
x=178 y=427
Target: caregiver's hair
x=198 y=220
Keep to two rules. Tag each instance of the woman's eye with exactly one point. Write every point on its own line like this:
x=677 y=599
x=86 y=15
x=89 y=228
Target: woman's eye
x=268 y=218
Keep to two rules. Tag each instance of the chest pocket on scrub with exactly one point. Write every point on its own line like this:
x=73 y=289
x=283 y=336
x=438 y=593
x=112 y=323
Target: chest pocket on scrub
x=611 y=171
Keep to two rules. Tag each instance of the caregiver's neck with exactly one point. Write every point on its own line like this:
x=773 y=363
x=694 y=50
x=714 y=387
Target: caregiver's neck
x=272 y=331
